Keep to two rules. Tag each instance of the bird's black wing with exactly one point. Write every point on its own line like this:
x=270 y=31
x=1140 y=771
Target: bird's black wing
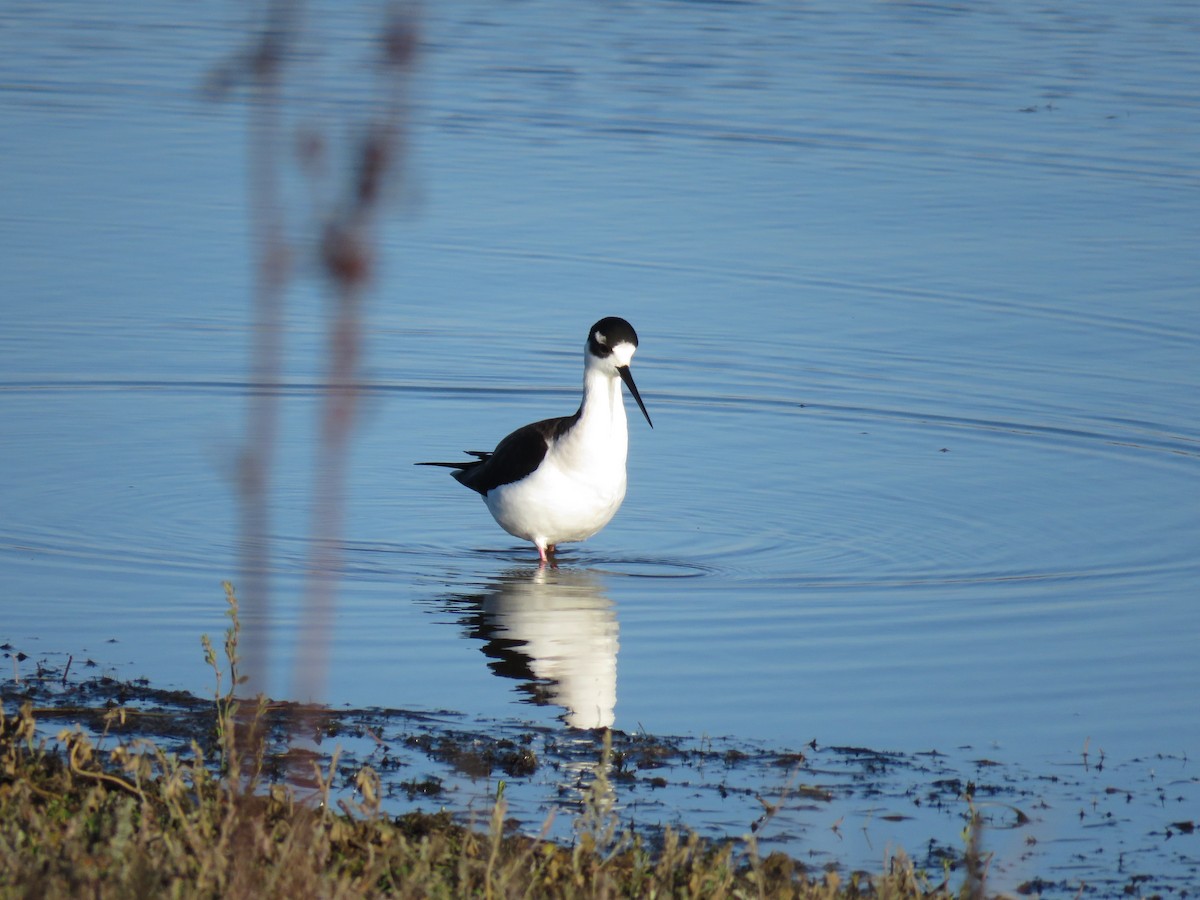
x=514 y=457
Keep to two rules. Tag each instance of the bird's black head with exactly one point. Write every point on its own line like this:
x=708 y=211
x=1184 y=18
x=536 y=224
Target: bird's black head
x=609 y=332
x=605 y=337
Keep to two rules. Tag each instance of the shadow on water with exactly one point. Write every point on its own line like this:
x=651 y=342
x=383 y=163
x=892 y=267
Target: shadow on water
x=555 y=631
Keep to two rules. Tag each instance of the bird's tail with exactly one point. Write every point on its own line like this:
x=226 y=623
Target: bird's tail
x=480 y=456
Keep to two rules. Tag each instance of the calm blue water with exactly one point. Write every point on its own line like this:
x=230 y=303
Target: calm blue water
x=916 y=291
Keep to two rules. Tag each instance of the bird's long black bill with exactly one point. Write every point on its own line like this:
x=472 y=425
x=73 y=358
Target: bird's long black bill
x=627 y=377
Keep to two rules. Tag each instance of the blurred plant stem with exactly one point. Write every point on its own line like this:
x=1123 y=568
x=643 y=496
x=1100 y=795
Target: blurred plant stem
x=348 y=250
x=262 y=68
x=345 y=250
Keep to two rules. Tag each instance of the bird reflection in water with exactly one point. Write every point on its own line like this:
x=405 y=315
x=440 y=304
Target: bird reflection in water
x=556 y=631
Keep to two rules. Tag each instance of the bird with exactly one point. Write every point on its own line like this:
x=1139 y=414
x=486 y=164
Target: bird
x=563 y=479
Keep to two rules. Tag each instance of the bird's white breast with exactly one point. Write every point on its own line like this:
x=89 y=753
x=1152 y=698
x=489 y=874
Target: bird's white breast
x=576 y=490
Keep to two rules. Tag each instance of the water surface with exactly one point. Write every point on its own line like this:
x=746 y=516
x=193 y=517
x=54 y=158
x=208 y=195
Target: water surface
x=916 y=291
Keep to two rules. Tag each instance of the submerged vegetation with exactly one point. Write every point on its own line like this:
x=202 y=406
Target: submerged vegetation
x=221 y=814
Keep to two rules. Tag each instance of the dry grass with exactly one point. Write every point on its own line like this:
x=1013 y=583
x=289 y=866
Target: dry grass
x=133 y=821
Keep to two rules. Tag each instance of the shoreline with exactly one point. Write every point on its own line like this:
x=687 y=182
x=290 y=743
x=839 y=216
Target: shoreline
x=802 y=805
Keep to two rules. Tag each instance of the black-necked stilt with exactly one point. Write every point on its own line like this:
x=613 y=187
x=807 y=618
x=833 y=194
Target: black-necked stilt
x=563 y=479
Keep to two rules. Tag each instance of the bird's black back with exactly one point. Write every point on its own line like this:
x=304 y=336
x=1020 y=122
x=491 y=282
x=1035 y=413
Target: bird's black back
x=515 y=457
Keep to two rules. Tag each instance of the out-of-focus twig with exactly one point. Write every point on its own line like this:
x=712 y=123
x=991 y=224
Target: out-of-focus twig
x=347 y=251
x=259 y=69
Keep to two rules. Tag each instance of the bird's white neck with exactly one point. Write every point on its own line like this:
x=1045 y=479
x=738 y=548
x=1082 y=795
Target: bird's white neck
x=602 y=431
x=602 y=400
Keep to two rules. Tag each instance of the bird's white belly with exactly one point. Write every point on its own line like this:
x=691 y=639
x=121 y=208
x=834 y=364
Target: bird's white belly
x=552 y=505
